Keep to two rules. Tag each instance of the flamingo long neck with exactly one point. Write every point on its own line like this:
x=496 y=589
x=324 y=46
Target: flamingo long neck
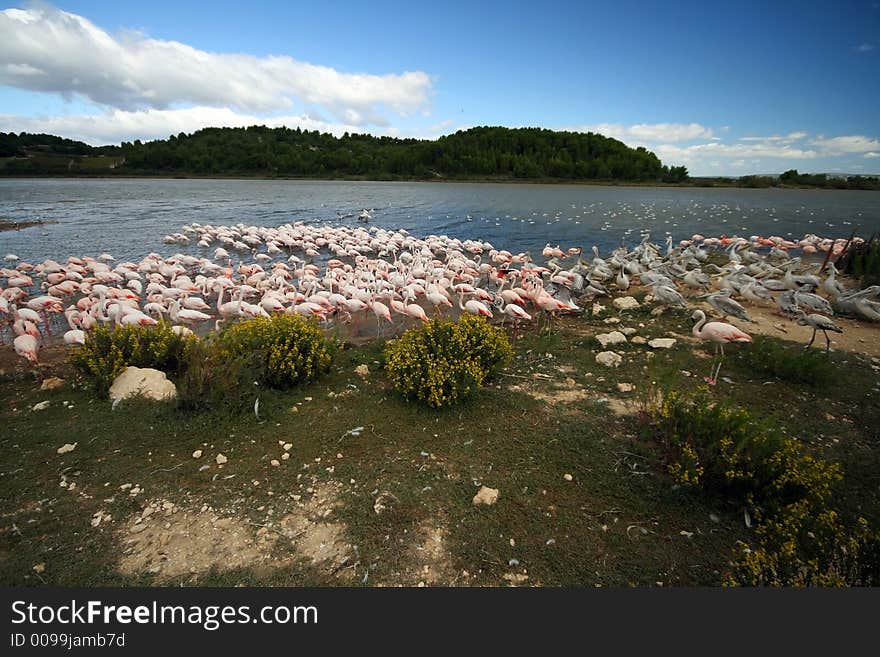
x=698 y=327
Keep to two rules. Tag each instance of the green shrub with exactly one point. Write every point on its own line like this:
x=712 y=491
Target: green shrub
x=724 y=450
x=211 y=382
x=769 y=357
x=803 y=547
x=280 y=352
x=108 y=351
x=800 y=539
x=442 y=362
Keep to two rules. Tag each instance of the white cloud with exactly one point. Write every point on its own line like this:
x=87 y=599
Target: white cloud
x=49 y=50
x=783 y=139
x=866 y=47
x=846 y=144
x=872 y=154
x=650 y=132
x=115 y=126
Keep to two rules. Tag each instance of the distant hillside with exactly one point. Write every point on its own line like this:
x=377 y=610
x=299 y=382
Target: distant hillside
x=479 y=153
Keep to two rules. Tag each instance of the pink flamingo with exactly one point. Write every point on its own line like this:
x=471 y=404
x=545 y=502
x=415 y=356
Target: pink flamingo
x=473 y=306
x=719 y=333
x=26 y=346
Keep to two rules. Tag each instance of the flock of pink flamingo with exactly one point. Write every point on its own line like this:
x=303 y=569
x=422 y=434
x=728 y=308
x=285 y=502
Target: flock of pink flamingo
x=388 y=275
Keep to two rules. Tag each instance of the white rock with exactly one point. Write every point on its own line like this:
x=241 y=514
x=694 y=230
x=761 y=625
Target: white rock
x=625 y=303
x=67 y=447
x=486 y=495
x=143 y=381
x=661 y=343
x=615 y=337
x=42 y=406
x=275 y=462
x=611 y=320
x=638 y=339
x=197 y=454
x=609 y=359
x=221 y=459
x=567 y=477
x=598 y=308
x=628 y=331
x=625 y=387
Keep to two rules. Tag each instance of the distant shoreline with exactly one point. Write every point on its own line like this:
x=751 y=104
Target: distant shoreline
x=696 y=182
x=19 y=225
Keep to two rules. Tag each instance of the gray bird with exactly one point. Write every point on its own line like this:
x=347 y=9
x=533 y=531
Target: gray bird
x=668 y=296
x=813 y=302
x=818 y=323
x=722 y=302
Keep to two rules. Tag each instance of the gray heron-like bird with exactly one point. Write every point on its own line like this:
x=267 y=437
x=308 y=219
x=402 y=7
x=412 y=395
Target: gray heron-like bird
x=818 y=323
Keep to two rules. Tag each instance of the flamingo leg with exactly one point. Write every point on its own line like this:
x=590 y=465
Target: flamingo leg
x=812 y=339
x=827 y=341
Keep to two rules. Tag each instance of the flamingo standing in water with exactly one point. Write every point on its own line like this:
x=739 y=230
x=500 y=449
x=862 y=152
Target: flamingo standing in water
x=719 y=333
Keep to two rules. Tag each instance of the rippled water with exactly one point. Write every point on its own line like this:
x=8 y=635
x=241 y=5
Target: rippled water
x=129 y=218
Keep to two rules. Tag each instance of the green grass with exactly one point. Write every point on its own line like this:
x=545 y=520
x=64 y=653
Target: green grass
x=620 y=521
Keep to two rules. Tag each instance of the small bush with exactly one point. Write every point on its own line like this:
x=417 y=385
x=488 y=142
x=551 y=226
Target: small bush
x=805 y=547
x=280 y=352
x=108 y=351
x=442 y=362
x=769 y=357
x=210 y=382
x=800 y=540
x=724 y=450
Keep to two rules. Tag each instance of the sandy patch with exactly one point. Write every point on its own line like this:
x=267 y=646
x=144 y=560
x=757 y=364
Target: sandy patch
x=172 y=542
x=169 y=541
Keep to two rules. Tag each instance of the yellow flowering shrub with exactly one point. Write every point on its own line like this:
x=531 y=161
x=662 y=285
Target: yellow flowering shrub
x=800 y=540
x=281 y=351
x=803 y=546
x=108 y=351
x=443 y=362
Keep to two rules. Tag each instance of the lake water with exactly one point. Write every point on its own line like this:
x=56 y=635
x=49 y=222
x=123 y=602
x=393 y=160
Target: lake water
x=129 y=218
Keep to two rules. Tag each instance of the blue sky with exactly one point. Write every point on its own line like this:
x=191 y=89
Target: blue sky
x=725 y=89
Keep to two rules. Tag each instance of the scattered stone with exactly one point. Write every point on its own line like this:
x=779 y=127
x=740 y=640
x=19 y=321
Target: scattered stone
x=99 y=517
x=384 y=501
x=625 y=387
x=628 y=331
x=567 y=477
x=515 y=578
x=625 y=303
x=686 y=373
x=40 y=567
x=67 y=447
x=197 y=454
x=608 y=359
x=51 y=383
x=221 y=459
x=42 y=406
x=611 y=320
x=362 y=371
x=287 y=446
x=659 y=310
x=598 y=308
x=486 y=495
x=638 y=339
x=275 y=462
x=661 y=343
x=144 y=381
x=137 y=529
x=285 y=456
x=714 y=517
x=615 y=337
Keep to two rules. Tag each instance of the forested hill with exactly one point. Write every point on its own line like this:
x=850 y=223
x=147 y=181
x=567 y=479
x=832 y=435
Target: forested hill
x=478 y=153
